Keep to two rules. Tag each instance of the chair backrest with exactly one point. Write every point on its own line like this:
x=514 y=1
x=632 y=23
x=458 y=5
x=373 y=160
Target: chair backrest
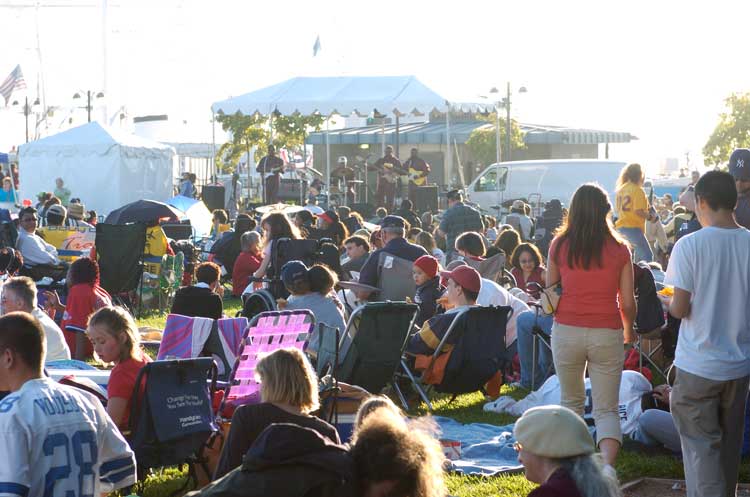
x=285 y=250
x=171 y=416
x=119 y=249
x=189 y=337
x=395 y=279
x=266 y=332
x=490 y=268
x=372 y=346
x=650 y=315
x=256 y=302
x=178 y=231
x=479 y=351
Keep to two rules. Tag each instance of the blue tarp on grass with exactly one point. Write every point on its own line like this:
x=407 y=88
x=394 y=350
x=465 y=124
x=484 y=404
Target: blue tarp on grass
x=485 y=449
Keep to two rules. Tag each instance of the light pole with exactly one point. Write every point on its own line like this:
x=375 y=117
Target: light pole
x=26 y=112
x=497 y=126
x=88 y=101
x=506 y=103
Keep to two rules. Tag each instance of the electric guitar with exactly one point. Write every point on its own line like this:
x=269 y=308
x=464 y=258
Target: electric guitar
x=389 y=172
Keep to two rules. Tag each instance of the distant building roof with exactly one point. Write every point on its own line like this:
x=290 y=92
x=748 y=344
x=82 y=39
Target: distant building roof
x=435 y=133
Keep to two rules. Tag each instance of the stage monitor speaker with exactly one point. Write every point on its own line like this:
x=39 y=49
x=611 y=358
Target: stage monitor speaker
x=366 y=210
x=213 y=196
x=426 y=198
x=291 y=189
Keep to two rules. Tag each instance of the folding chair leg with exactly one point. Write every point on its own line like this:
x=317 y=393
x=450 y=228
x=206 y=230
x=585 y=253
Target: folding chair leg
x=401 y=396
x=416 y=384
x=533 y=362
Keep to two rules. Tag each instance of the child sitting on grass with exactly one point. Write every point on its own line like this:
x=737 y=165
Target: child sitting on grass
x=115 y=338
x=425 y=273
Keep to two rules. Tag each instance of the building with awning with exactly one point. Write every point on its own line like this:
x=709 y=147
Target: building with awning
x=542 y=142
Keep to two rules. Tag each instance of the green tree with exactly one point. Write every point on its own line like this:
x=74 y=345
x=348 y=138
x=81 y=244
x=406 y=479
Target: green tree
x=252 y=131
x=732 y=131
x=482 y=142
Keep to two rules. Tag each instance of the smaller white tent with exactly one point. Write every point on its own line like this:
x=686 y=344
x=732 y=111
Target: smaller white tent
x=104 y=167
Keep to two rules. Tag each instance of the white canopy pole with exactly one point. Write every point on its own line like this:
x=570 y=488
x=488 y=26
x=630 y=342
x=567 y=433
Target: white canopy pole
x=213 y=146
x=328 y=166
x=448 y=154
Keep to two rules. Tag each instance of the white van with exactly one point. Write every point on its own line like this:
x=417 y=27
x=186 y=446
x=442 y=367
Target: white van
x=538 y=181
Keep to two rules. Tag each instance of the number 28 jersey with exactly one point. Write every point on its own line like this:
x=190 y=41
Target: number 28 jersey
x=58 y=441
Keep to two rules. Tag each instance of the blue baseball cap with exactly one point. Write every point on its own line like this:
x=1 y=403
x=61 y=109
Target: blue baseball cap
x=292 y=272
x=393 y=222
x=739 y=164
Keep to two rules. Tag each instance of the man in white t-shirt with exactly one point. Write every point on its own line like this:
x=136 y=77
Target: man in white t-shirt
x=19 y=294
x=710 y=272
x=57 y=440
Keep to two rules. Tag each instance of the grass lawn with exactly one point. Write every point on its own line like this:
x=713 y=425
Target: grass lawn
x=631 y=464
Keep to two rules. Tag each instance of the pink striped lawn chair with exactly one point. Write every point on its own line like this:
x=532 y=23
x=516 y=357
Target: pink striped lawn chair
x=268 y=331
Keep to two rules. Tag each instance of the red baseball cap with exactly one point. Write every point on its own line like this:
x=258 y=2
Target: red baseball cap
x=467 y=277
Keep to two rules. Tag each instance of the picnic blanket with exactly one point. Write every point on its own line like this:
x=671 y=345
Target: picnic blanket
x=485 y=449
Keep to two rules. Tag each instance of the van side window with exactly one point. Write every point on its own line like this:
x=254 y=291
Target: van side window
x=488 y=182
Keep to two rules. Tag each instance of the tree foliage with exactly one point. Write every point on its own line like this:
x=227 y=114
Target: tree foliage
x=253 y=131
x=482 y=142
x=732 y=131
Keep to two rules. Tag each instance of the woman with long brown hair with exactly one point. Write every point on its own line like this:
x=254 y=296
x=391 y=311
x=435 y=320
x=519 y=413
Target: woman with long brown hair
x=631 y=207
x=276 y=225
x=591 y=263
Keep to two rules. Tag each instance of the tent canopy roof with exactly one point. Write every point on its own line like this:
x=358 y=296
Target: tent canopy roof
x=337 y=95
x=93 y=135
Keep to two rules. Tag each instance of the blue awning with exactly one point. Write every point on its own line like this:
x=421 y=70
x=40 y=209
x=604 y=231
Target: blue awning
x=435 y=133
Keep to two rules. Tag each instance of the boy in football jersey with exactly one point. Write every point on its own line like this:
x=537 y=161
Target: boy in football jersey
x=57 y=440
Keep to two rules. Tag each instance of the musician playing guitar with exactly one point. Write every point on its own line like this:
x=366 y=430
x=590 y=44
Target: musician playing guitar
x=271 y=167
x=418 y=170
x=389 y=169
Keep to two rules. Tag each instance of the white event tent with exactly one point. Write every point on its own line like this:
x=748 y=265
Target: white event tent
x=344 y=95
x=104 y=167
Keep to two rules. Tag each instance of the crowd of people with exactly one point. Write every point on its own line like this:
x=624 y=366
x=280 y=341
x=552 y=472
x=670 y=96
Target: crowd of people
x=579 y=257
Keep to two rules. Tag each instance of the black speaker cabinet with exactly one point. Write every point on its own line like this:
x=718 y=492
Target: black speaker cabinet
x=366 y=210
x=426 y=198
x=291 y=189
x=213 y=196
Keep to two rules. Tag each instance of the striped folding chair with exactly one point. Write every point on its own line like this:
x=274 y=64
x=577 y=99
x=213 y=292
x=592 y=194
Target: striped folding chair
x=268 y=331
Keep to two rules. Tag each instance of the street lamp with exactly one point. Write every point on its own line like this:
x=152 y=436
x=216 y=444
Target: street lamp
x=497 y=126
x=26 y=112
x=88 y=101
x=506 y=103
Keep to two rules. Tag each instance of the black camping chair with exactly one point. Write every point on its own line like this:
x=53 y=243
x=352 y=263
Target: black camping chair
x=649 y=321
x=256 y=302
x=170 y=415
x=479 y=352
x=371 y=348
x=119 y=250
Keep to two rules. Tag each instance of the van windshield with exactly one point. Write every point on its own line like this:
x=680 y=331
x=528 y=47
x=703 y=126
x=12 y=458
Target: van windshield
x=489 y=181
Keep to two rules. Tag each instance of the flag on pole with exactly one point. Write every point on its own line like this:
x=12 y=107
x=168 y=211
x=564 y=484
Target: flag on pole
x=13 y=82
x=316 y=46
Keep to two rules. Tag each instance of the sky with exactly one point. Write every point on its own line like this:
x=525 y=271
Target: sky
x=659 y=70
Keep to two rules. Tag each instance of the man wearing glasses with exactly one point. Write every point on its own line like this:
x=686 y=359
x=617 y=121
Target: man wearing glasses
x=39 y=255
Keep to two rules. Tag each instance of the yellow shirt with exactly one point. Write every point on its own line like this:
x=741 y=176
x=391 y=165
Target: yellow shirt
x=629 y=199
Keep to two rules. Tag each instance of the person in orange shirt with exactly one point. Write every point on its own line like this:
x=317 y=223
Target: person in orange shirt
x=632 y=211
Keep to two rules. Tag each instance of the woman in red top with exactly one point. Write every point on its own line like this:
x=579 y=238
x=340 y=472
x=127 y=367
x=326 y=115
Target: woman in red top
x=247 y=262
x=84 y=297
x=592 y=264
x=528 y=268
x=114 y=336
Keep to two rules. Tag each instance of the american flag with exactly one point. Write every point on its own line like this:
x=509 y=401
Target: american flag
x=13 y=82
